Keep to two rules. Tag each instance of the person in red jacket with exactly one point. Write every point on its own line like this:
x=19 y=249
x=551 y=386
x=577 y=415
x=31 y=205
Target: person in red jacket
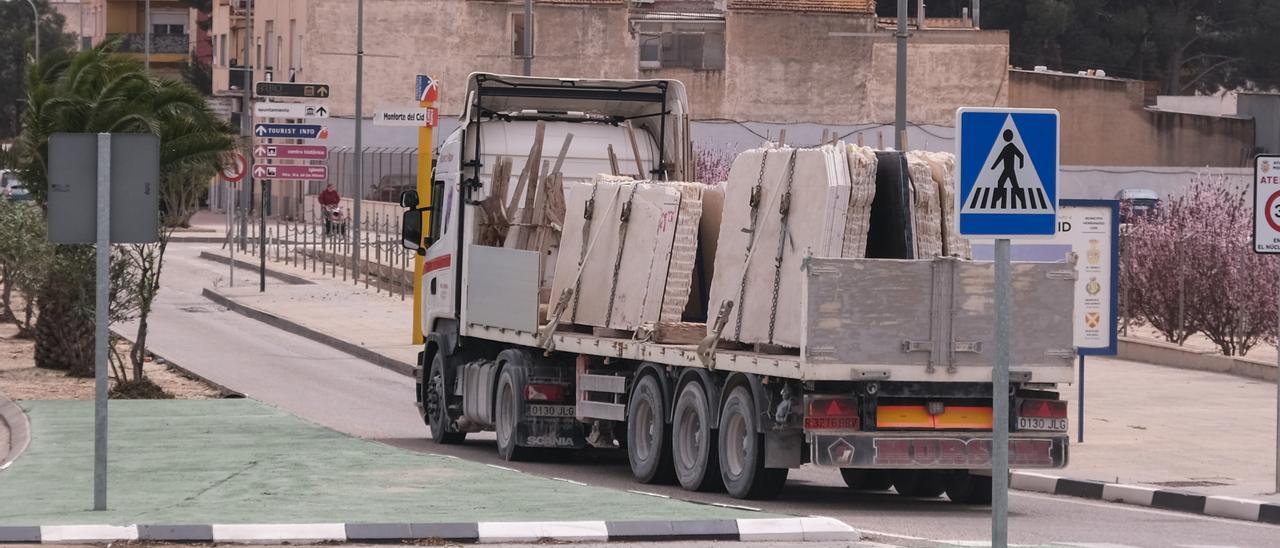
x=329 y=201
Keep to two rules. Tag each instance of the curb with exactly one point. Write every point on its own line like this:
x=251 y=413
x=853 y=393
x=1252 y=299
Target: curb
x=1177 y=501
x=19 y=430
x=197 y=239
x=286 y=278
x=403 y=368
x=1172 y=355
x=781 y=529
x=226 y=391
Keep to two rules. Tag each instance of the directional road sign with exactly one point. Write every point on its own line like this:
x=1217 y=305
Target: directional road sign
x=291 y=131
x=1008 y=165
x=291 y=152
x=297 y=173
x=1266 y=204
x=407 y=116
x=291 y=89
x=290 y=110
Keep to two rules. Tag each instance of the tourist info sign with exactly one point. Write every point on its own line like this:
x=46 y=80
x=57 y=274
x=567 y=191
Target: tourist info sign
x=1266 y=204
x=291 y=131
x=1008 y=165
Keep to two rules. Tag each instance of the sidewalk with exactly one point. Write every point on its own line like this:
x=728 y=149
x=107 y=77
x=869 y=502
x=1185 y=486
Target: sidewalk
x=239 y=461
x=1156 y=426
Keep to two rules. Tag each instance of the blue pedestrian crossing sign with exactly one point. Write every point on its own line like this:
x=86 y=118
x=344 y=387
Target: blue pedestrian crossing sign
x=1008 y=164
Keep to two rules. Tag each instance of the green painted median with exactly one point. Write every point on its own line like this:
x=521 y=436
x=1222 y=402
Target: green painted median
x=239 y=461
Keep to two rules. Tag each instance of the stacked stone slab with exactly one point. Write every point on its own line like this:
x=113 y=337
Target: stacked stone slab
x=761 y=249
x=862 y=192
x=625 y=279
x=926 y=206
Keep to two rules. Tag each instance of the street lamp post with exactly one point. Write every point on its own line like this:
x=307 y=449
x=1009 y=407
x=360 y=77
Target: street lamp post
x=35 y=12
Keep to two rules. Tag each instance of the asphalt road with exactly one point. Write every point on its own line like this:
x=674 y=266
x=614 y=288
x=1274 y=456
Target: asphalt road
x=341 y=392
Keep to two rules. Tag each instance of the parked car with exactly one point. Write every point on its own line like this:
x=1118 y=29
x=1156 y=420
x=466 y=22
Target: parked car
x=1137 y=202
x=11 y=188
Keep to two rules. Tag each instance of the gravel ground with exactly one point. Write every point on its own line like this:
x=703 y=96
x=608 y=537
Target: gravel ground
x=20 y=379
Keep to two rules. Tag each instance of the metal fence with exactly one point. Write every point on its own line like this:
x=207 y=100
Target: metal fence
x=308 y=242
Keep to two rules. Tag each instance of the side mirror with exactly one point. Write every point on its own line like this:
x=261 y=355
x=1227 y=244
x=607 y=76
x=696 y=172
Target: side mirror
x=411 y=228
x=409 y=199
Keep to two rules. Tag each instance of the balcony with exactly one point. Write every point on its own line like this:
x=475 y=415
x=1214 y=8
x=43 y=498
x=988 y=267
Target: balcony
x=160 y=43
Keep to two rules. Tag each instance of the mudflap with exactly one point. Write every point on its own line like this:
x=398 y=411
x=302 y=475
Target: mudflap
x=550 y=424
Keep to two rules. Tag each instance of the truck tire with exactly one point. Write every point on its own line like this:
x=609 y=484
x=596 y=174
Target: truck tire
x=919 y=483
x=966 y=488
x=506 y=416
x=648 y=439
x=436 y=406
x=742 y=451
x=866 y=479
x=693 y=440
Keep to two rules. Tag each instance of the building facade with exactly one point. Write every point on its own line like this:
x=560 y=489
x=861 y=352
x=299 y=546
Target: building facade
x=172 y=30
x=752 y=67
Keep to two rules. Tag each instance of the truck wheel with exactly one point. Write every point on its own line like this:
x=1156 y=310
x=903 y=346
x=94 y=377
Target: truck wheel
x=866 y=479
x=506 y=416
x=647 y=437
x=919 y=483
x=742 y=451
x=693 y=442
x=437 y=407
x=966 y=488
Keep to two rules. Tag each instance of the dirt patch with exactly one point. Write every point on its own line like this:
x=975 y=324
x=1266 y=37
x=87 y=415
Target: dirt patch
x=20 y=379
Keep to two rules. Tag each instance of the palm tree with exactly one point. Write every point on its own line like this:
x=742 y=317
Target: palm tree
x=97 y=91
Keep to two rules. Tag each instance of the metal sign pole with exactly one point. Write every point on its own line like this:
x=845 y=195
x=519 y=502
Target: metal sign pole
x=1278 y=387
x=1080 y=405
x=100 y=324
x=231 y=229
x=1000 y=401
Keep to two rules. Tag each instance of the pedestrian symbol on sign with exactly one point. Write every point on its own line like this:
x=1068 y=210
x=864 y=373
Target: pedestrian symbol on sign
x=1008 y=182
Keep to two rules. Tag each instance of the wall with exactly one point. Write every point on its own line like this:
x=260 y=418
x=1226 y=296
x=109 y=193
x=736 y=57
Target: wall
x=466 y=36
x=788 y=68
x=1264 y=108
x=1104 y=122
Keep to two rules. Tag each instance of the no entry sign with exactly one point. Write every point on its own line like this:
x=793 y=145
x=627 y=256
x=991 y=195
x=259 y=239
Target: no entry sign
x=1266 y=204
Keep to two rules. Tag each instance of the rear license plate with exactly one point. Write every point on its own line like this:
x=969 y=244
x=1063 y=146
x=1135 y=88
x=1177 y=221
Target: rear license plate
x=831 y=423
x=1042 y=424
x=540 y=410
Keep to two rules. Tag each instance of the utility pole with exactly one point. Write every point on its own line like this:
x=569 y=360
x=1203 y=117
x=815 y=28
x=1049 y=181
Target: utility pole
x=355 y=225
x=246 y=116
x=146 y=33
x=900 y=116
x=528 y=37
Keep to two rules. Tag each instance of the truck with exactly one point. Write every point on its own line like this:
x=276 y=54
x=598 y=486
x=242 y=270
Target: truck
x=892 y=385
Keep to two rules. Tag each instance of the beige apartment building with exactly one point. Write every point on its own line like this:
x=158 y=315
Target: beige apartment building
x=752 y=67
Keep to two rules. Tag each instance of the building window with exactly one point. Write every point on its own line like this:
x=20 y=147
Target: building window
x=270 y=40
x=169 y=21
x=222 y=49
x=693 y=45
x=294 y=52
x=518 y=29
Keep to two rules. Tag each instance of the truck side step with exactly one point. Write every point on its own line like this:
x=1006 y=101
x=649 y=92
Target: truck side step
x=611 y=384
x=602 y=410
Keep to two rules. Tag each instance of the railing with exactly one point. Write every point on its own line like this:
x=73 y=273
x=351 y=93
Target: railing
x=310 y=243
x=160 y=43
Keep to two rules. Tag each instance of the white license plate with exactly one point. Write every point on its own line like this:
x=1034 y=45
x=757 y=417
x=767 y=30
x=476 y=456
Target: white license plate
x=540 y=410
x=1039 y=423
